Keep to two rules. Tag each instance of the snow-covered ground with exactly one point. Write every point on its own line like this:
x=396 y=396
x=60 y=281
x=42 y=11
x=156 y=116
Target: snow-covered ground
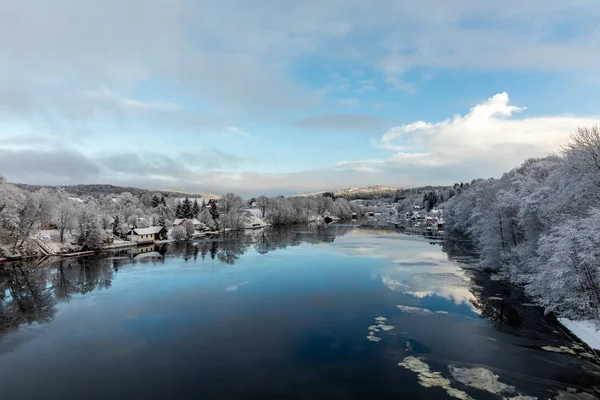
x=254 y=219
x=50 y=239
x=587 y=331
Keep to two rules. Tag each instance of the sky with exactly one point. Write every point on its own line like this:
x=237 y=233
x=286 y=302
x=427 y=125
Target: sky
x=277 y=97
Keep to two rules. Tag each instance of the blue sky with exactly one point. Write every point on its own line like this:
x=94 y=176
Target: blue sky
x=285 y=97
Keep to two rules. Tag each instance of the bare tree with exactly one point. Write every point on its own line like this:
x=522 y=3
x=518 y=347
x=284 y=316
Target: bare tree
x=262 y=203
x=65 y=217
x=229 y=202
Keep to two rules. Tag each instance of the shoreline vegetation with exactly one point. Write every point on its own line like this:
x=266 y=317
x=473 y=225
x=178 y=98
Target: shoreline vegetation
x=537 y=226
x=52 y=221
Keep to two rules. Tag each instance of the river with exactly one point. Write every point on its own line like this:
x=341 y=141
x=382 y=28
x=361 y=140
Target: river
x=338 y=312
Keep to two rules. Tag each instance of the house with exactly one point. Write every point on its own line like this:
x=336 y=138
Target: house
x=147 y=235
x=180 y=221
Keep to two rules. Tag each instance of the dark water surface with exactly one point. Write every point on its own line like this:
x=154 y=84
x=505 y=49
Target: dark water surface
x=281 y=314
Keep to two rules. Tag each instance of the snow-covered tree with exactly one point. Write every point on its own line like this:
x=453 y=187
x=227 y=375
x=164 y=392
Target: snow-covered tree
x=206 y=219
x=262 y=203
x=65 y=215
x=195 y=209
x=188 y=225
x=230 y=201
x=178 y=233
x=91 y=235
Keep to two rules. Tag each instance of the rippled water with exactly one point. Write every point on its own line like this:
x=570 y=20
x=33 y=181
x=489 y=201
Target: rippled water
x=312 y=312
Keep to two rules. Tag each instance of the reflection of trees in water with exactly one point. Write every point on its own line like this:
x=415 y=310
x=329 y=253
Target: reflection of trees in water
x=459 y=248
x=504 y=304
x=230 y=247
x=81 y=276
x=507 y=307
x=29 y=295
x=280 y=237
x=24 y=296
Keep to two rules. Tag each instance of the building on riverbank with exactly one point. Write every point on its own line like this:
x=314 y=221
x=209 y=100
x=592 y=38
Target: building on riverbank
x=147 y=235
x=180 y=221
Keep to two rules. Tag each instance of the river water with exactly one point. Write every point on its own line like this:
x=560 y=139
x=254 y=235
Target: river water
x=338 y=312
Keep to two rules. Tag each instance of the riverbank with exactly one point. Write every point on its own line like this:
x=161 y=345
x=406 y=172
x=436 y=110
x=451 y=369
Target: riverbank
x=586 y=331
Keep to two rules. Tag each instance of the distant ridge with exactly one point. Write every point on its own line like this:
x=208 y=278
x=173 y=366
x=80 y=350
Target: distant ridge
x=368 y=192
x=100 y=189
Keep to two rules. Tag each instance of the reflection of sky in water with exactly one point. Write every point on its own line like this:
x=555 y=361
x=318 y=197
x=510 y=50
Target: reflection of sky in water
x=416 y=268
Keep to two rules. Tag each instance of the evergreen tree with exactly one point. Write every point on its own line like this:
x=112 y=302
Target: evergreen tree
x=186 y=208
x=162 y=221
x=162 y=200
x=214 y=211
x=203 y=204
x=155 y=200
x=115 y=227
x=195 y=209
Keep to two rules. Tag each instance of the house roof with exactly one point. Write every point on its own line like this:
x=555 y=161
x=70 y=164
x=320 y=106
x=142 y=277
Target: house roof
x=148 y=231
x=180 y=221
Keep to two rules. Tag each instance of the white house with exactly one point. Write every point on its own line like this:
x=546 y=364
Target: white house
x=147 y=235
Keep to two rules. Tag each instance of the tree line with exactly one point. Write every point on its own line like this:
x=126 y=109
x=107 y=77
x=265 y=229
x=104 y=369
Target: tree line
x=538 y=225
x=89 y=222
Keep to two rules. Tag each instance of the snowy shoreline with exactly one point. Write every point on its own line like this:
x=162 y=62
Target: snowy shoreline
x=585 y=330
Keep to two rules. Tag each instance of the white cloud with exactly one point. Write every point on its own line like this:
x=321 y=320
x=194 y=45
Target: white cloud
x=488 y=140
x=237 y=131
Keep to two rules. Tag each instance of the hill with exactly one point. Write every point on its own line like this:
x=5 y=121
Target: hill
x=96 y=190
x=369 y=192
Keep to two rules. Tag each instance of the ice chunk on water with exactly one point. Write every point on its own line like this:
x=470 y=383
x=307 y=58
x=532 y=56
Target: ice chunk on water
x=428 y=378
x=480 y=378
x=386 y=327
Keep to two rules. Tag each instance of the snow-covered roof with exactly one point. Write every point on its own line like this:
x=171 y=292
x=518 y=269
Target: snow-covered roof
x=148 y=231
x=180 y=221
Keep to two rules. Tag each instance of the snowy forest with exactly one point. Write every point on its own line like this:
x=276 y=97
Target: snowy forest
x=538 y=225
x=63 y=221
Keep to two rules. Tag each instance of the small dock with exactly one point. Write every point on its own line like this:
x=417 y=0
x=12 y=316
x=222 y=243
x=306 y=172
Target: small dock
x=79 y=254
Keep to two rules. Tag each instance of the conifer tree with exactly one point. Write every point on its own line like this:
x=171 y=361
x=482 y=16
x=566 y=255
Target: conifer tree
x=195 y=209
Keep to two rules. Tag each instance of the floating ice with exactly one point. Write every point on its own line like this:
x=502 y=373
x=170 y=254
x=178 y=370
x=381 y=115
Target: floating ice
x=561 y=349
x=571 y=394
x=428 y=378
x=480 y=378
x=379 y=325
x=441 y=312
